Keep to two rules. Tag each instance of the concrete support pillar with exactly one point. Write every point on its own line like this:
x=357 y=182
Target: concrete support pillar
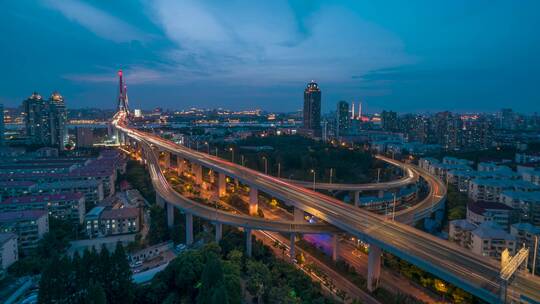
x=219 y=231
x=159 y=200
x=197 y=172
x=189 y=229
x=180 y=164
x=253 y=201
x=166 y=160
x=374 y=267
x=222 y=186
x=356 y=198
x=292 y=250
x=298 y=214
x=335 y=246
x=170 y=215
x=248 y=242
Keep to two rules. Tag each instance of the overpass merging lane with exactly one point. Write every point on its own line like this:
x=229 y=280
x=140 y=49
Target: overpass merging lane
x=475 y=274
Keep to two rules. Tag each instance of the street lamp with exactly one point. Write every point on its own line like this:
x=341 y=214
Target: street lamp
x=242 y=159
x=378 y=175
x=265 y=165
x=331 y=173
x=313 y=172
x=279 y=170
x=207 y=147
x=394 y=208
x=216 y=151
x=232 y=154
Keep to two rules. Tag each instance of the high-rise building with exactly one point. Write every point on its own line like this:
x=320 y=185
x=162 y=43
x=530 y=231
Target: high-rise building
x=343 y=118
x=37 y=119
x=446 y=130
x=45 y=120
x=59 y=135
x=389 y=121
x=312 y=109
x=508 y=119
x=1 y=124
x=85 y=137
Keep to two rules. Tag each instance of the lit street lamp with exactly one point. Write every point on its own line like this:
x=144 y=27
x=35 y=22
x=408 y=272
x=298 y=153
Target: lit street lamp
x=232 y=154
x=313 y=172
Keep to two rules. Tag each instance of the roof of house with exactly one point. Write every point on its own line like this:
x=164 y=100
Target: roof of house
x=4 y=237
x=491 y=230
x=120 y=213
x=68 y=196
x=481 y=207
x=22 y=215
x=463 y=224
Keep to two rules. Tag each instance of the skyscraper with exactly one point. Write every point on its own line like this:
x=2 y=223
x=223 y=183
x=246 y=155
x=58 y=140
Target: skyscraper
x=389 y=121
x=45 y=120
x=343 y=118
x=312 y=109
x=36 y=119
x=58 y=116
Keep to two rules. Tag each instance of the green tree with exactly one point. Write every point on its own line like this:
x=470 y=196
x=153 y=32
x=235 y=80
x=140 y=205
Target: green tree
x=258 y=279
x=211 y=280
x=158 y=231
x=121 y=278
x=95 y=294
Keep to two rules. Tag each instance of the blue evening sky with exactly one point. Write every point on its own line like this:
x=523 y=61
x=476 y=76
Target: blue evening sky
x=418 y=55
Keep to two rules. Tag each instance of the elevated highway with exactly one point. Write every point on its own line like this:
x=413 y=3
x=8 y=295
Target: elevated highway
x=475 y=274
x=410 y=177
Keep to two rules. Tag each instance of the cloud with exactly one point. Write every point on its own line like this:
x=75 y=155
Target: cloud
x=259 y=42
x=97 y=21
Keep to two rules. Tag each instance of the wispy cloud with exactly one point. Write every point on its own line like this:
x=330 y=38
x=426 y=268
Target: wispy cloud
x=255 y=43
x=97 y=21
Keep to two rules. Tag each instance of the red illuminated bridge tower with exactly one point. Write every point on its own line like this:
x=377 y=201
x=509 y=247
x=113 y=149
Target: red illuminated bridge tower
x=122 y=93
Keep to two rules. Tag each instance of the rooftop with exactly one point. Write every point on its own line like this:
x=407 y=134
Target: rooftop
x=4 y=237
x=463 y=224
x=528 y=227
x=68 y=196
x=120 y=213
x=21 y=215
x=481 y=207
x=490 y=230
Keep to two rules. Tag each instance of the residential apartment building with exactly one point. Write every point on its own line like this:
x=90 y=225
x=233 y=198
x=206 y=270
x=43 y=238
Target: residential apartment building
x=66 y=206
x=29 y=225
x=9 y=251
x=101 y=221
x=91 y=189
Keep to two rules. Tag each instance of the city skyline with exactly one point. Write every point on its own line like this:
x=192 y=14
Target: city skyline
x=475 y=53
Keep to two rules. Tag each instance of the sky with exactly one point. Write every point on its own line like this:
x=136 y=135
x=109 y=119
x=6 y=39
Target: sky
x=406 y=56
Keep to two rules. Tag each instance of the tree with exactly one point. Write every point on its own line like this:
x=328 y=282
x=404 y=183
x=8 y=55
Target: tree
x=158 y=231
x=95 y=294
x=211 y=280
x=121 y=277
x=258 y=279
